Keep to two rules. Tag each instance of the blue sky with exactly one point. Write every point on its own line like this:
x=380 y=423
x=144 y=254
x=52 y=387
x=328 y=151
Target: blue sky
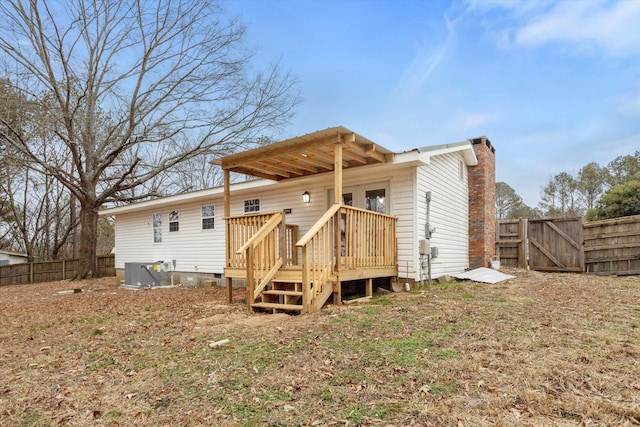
x=553 y=84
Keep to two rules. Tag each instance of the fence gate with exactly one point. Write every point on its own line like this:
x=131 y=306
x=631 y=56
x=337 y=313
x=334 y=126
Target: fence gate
x=556 y=245
x=511 y=242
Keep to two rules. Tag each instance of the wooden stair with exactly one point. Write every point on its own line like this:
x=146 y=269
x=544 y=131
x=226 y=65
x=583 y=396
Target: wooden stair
x=284 y=293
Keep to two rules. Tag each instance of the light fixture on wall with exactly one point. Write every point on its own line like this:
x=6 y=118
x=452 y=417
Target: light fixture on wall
x=306 y=197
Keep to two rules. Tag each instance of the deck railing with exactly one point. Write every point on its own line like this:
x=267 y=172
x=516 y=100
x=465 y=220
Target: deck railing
x=239 y=229
x=344 y=238
x=367 y=239
x=291 y=251
x=318 y=260
x=264 y=254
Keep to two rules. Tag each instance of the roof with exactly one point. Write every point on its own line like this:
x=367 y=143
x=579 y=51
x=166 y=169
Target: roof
x=13 y=254
x=469 y=154
x=304 y=155
x=313 y=153
x=191 y=197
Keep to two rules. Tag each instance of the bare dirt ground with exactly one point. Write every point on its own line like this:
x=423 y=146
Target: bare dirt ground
x=539 y=350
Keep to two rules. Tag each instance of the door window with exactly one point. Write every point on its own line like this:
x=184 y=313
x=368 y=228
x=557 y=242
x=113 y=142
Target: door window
x=375 y=200
x=369 y=196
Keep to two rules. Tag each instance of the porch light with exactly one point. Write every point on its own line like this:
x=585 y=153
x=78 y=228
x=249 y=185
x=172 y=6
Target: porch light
x=306 y=197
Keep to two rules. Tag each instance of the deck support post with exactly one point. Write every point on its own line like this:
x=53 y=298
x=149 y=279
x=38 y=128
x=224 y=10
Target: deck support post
x=369 y=287
x=229 y=282
x=227 y=213
x=337 y=291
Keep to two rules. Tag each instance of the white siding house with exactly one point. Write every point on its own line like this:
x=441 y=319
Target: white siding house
x=10 y=258
x=189 y=228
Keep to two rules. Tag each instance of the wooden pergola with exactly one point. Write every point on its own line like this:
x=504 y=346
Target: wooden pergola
x=331 y=150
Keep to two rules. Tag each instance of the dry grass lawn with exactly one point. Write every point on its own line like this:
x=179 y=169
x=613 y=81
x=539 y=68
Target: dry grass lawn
x=539 y=350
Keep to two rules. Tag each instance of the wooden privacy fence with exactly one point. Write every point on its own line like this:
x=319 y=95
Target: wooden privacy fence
x=48 y=271
x=569 y=244
x=613 y=246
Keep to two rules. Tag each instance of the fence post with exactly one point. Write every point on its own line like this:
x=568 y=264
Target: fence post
x=64 y=269
x=523 y=246
x=31 y=272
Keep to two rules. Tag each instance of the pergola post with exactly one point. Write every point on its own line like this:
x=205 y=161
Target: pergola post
x=337 y=236
x=227 y=213
x=337 y=171
x=227 y=194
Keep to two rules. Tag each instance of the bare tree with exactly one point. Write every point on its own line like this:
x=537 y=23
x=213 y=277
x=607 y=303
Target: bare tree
x=130 y=82
x=196 y=174
x=35 y=213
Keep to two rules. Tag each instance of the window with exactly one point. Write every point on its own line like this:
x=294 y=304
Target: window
x=174 y=221
x=208 y=217
x=157 y=227
x=375 y=200
x=252 y=206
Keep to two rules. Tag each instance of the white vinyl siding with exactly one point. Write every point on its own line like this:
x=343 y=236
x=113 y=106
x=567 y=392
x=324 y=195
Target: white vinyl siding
x=402 y=204
x=449 y=213
x=192 y=249
x=198 y=251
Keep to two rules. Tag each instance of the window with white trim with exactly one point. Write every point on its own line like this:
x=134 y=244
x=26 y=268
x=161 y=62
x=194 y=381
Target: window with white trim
x=174 y=221
x=157 y=227
x=252 y=206
x=208 y=217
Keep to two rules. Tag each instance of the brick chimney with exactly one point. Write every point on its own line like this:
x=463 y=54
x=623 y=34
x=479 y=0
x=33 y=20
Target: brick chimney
x=482 y=204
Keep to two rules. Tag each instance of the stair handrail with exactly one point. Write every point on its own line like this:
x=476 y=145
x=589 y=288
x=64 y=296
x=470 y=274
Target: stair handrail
x=264 y=267
x=239 y=229
x=345 y=237
x=260 y=235
x=318 y=225
x=317 y=267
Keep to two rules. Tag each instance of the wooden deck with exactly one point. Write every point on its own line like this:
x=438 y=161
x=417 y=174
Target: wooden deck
x=345 y=244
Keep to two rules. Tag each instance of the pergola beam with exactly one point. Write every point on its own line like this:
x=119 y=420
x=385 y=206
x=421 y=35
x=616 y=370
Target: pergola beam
x=325 y=165
x=299 y=145
x=259 y=174
x=371 y=151
x=283 y=166
x=327 y=156
x=299 y=164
